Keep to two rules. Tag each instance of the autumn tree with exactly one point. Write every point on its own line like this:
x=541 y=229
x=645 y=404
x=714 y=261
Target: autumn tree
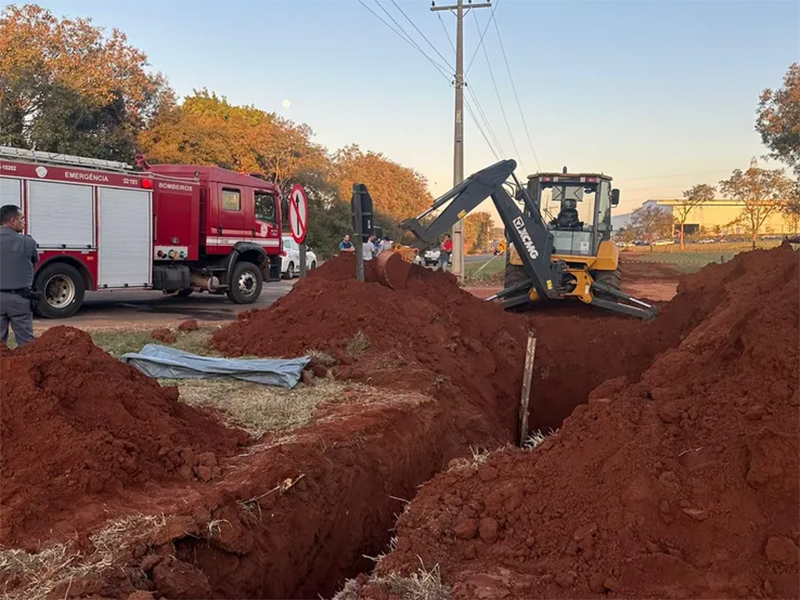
x=694 y=197
x=626 y=234
x=778 y=119
x=652 y=223
x=763 y=192
x=206 y=129
x=477 y=232
x=66 y=86
x=791 y=211
x=398 y=192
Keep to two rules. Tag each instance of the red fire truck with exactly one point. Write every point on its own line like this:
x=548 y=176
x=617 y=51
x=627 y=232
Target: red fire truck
x=102 y=225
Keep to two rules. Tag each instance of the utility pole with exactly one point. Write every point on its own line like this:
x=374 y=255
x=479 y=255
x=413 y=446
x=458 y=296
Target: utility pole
x=458 y=139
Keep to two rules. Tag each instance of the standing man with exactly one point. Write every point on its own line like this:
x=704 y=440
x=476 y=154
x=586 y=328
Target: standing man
x=18 y=254
x=369 y=248
x=445 y=249
x=346 y=245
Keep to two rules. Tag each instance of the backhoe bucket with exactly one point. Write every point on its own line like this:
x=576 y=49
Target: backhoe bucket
x=391 y=270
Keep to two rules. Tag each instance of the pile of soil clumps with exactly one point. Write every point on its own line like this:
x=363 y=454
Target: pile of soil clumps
x=431 y=337
x=79 y=428
x=683 y=484
x=439 y=339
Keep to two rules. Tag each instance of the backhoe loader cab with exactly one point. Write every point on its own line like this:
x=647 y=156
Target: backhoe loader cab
x=558 y=237
x=576 y=208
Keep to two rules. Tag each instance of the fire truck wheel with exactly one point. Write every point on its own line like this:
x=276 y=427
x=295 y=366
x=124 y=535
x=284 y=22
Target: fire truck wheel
x=245 y=284
x=62 y=290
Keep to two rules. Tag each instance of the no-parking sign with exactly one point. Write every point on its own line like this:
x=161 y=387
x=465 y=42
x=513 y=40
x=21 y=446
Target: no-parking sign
x=298 y=213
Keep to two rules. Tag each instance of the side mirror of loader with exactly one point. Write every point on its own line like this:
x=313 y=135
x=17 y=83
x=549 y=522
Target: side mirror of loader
x=615 y=197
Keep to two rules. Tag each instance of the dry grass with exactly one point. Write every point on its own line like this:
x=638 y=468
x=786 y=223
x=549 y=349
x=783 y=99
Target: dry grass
x=121 y=341
x=479 y=457
x=260 y=408
x=535 y=438
x=253 y=407
x=34 y=576
x=423 y=584
x=358 y=344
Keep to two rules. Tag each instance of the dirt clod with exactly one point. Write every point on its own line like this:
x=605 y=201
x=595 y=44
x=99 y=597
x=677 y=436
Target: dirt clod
x=188 y=325
x=782 y=550
x=164 y=335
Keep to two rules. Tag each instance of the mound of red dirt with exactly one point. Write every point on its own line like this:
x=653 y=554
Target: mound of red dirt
x=683 y=484
x=79 y=427
x=432 y=337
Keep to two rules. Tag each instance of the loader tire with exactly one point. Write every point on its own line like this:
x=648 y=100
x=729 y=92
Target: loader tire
x=610 y=278
x=513 y=275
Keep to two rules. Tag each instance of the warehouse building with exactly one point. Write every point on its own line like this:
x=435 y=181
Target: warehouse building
x=718 y=216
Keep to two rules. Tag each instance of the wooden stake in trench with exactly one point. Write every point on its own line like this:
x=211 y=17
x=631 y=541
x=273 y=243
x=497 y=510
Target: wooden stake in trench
x=526 y=387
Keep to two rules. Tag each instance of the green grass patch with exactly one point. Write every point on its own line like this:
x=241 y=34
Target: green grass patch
x=487 y=271
x=122 y=341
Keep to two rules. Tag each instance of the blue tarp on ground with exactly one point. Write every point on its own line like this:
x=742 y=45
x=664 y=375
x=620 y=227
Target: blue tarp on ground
x=170 y=363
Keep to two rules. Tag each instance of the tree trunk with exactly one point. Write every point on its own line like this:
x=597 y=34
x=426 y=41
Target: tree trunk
x=755 y=238
x=683 y=236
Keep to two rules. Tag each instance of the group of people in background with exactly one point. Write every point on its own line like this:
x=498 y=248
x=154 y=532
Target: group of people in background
x=373 y=247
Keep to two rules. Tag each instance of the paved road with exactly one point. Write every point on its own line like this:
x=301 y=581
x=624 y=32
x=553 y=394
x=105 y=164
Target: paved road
x=152 y=309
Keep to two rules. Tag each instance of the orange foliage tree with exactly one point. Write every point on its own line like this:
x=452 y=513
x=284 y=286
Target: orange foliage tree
x=398 y=192
x=208 y=130
x=477 y=232
x=65 y=84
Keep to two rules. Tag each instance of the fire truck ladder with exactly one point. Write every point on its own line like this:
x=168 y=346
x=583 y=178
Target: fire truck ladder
x=55 y=158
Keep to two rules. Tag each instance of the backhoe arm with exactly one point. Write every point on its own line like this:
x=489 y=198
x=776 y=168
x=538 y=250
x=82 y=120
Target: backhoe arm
x=529 y=234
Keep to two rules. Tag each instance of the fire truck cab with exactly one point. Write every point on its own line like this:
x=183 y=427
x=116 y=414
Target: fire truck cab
x=181 y=229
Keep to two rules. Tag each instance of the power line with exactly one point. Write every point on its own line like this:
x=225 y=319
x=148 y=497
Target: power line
x=424 y=37
x=406 y=39
x=480 y=129
x=514 y=87
x=482 y=114
x=500 y=100
x=477 y=103
x=402 y=29
x=480 y=41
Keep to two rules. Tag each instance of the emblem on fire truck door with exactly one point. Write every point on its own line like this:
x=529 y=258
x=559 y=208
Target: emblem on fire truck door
x=263 y=230
x=41 y=171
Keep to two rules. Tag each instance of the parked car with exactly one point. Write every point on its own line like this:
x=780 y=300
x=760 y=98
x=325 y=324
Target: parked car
x=663 y=242
x=290 y=258
x=431 y=257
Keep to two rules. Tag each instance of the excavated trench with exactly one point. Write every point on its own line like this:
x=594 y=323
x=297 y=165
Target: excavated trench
x=362 y=467
x=296 y=516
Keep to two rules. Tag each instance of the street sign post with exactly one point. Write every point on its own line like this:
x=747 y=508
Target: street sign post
x=298 y=221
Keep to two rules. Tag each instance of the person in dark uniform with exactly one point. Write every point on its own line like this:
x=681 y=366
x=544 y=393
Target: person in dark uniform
x=18 y=254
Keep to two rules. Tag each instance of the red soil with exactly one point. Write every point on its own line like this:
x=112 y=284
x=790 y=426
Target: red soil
x=681 y=485
x=80 y=428
x=164 y=335
x=188 y=325
x=430 y=337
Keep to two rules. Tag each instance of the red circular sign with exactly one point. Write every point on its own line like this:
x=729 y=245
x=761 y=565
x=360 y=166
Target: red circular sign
x=298 y=213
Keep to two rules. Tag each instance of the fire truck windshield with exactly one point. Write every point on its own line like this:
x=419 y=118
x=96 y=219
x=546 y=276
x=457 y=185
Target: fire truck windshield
x=265 y=207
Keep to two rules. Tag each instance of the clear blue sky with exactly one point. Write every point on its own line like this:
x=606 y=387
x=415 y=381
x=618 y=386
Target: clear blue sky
x=661 y=95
